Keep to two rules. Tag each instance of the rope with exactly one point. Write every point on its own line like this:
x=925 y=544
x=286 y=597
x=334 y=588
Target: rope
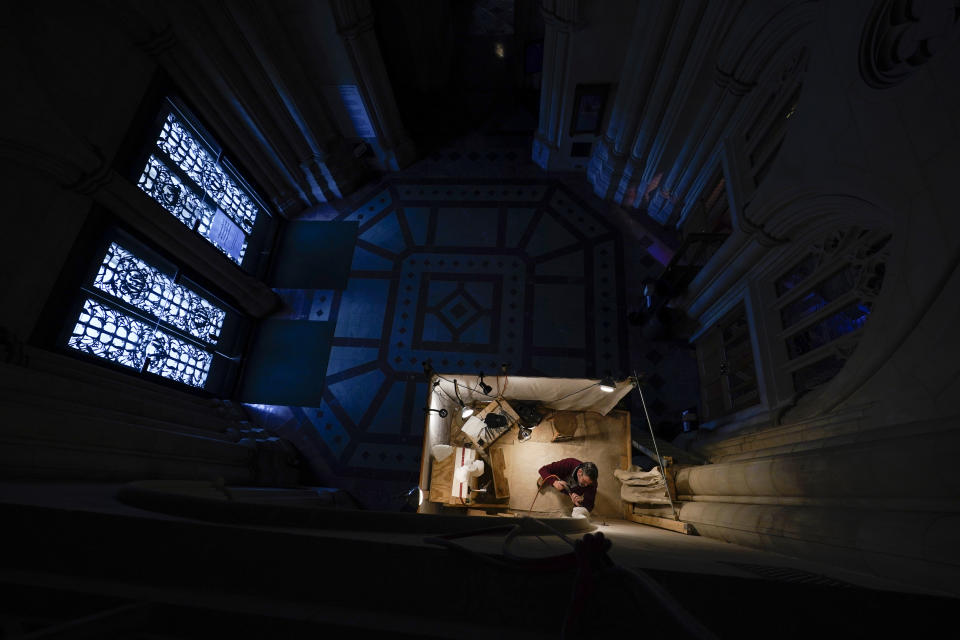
x=663 y=470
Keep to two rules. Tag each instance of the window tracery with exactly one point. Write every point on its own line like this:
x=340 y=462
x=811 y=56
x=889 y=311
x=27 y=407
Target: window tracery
x=825 y=299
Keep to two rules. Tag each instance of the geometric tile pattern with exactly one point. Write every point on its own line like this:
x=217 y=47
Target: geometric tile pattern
x=466 y=274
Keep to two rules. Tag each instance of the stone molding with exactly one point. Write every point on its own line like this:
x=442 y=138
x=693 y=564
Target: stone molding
x=901 y=36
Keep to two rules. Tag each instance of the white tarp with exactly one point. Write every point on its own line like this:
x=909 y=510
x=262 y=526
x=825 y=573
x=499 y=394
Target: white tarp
x=569 y=394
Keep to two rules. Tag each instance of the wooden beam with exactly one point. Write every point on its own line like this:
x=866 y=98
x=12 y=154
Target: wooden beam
x=664 y=523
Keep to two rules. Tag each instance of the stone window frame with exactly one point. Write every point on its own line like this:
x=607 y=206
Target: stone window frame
x=225 y=350
x=744 y=294
x=775 y=359
x=775 y=99
x=170 y=102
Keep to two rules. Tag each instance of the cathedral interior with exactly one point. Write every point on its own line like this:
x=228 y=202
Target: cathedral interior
x=240 y=235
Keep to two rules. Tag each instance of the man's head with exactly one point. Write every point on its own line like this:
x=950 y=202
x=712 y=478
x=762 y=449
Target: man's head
x=586 y=474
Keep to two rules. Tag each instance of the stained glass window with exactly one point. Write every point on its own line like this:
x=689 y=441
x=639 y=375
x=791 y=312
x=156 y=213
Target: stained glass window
x=828 y=329
x=111 y=334
x=186 y=177
x=825 y=301
x=107 y=333
x=125 y=276
x=178 y=360
x=822 y=294
x=139 y=317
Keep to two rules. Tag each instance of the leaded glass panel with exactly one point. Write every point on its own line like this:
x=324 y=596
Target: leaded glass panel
x=163 y=185
x=129 y=278
x=110 y=334
x=181 y=147
x=841 y=323
x=178 y=360
x=107 y=333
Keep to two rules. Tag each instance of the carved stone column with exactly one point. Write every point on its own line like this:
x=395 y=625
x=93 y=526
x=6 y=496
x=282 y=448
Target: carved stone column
x=650 y=30
x=560 y=19
x=840 y=490
x=355 y=25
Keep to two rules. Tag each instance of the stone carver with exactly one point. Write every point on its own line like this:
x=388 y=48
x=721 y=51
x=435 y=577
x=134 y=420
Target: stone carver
x=575 y=478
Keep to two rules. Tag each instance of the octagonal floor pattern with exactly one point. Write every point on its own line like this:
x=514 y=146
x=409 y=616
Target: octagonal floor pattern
x=467 y=275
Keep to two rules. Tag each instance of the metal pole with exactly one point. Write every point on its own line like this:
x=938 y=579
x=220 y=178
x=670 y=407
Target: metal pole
x=663 y=470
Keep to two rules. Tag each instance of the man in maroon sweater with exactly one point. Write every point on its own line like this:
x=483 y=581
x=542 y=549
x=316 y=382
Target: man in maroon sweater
x=574 y=478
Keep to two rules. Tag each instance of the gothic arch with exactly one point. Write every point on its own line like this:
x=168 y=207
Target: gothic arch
x=746 y=58
x=811 y=221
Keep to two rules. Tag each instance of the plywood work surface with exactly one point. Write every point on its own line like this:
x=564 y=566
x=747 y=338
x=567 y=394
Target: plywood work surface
x=598 y=439
x=441 y=479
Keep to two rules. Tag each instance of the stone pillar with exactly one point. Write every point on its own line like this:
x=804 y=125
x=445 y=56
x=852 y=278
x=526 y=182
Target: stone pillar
x=560 y=20
x=328 y=163
x=650 y=30
x=355 y=25
x=698 y=161
x=871 y=499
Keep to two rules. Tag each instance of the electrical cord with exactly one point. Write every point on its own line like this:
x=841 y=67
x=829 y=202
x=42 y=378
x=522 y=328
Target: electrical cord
x=576 y=392
x=468 y=388
x=452 y=399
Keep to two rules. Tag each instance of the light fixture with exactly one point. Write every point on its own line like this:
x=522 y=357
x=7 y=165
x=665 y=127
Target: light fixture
x=441 y=412
x=484 y=387
x=466 y=411
x=414 y=497
x=607 y=384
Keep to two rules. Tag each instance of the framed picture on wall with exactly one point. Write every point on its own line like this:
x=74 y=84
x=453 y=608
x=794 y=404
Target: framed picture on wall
x=589 y=101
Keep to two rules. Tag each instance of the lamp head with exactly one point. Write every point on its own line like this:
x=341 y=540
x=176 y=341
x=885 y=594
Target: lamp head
x=608 y=384
x=484 y=387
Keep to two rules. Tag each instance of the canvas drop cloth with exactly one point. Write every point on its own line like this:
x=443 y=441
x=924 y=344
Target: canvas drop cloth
x=567 y=394
x=642 y=486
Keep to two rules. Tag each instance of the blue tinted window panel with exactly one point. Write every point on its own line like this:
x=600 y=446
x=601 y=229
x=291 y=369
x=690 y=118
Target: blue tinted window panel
x=181 y=147
x=111 y=335
x=130 y=279
x=820 y=296
x=845 y=321
x=178 y=360
x=797 y=274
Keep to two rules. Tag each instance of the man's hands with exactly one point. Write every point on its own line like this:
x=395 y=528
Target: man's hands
x=560 y=485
